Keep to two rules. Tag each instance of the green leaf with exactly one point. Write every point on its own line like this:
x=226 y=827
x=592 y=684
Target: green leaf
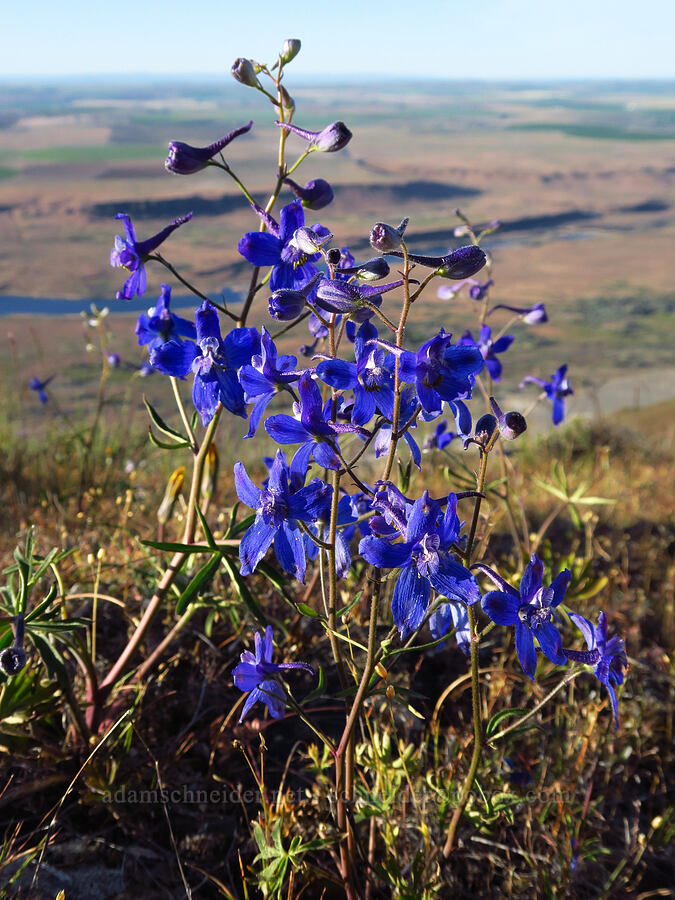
x=350 y=606
x=208 y=534
x=161 y=425
x=163 y=445
x=307 y=611
x=318 y=690
x=177 y=547
x=202 y=578
x=243 y=590
x=496 y=720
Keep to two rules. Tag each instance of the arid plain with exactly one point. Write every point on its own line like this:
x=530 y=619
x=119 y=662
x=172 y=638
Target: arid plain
x=582 y=176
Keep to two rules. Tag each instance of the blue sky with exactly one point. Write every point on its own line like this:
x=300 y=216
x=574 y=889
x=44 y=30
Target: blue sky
x=504 y=39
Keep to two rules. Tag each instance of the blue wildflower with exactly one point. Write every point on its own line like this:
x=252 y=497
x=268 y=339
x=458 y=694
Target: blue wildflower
x=489 y=348
x=424 y=561
x=161 y=325
x=531 y=315
x=132 y=254
x=317 y=436
x=439 y=370
x=407 y=408
x=371 y=377
x=338 y=296
x=330 y=139
x=265 y=376
x=214 y=362
x=448 y=616
x=253 y=674
x=531 y=609
x=478 y=291
x=39 y=387
x=291 y=268
x=556 y=390
x=186 y=160
x=608 y=657
x=441 y=437
x=316 y=194
x=279 y=506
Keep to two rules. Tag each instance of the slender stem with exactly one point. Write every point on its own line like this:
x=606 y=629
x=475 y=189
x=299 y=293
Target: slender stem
x=475 y=680
x=561 y=684
x=191 y=287
x=181 y=409
x=150 y=661
x=224 y=166
x=400 y=331
x=165 y=582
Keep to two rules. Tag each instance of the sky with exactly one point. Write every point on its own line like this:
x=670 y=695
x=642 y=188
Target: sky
x=445 y=39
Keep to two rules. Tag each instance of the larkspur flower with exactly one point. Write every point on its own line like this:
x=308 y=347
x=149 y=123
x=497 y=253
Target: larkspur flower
x=213 y=361
x=186 y=160
x=531 y=609
x=440 y=437
x=449 y=616
x=132 y=254
x=371 y=377
x=407 y=408
x=39 y=387
x=279 y=506
x=343 y=534
x=160 y=325
x=267 y=374
x=291 y=268
x=489 y=348
x=424 y=561
x=255 y=673
x=458 y=264
x=347 y=297
x=329 y=140
x=531 y=315
x=478 y=291
x=316 y=194
x=556 y=390
x=317 y=436
x=608 y=657
x=439 y=370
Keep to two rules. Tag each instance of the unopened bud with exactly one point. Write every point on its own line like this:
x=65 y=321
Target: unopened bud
x=171 y=494
x=485 y=428
x=287 y=102
x=511 y=424
x=333 y=256
x=243 y=71
x=286 y=304
x=308 y=241
x=385 y=237
x=290 y=50
x=12 y=660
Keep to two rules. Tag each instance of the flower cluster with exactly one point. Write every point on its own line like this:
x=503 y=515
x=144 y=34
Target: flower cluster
x=363 y=385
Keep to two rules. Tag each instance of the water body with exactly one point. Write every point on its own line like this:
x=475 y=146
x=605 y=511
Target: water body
x=53 y=306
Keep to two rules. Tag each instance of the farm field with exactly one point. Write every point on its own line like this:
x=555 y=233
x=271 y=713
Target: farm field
x=581 y=177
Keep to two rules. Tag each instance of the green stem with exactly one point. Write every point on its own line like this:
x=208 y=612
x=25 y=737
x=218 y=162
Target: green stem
x=475 y=681
x=191 y=287
x=181 y=409
x=400 y=331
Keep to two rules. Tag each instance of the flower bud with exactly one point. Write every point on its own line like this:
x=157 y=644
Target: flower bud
x=373 y=269
x=171 y=495
x=479 y=291
x=511 y=424
x=316 y=194
x=485 y=428
x=385 y=237
x=290 y=50
x=287 y=102
x=333 y=256
x=463 y=263
x=286 y=304
x=329 y=140
x=114 y=360
x=243 y=71
x=308 y=241
x=12 y=660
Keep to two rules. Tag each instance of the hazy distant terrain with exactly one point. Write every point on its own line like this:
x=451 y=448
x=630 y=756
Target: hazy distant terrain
x=582 y=177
